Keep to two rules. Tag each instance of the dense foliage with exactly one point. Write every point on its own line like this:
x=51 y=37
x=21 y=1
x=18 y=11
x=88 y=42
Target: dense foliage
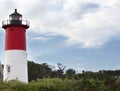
x=57 y=84
x=44 y=77
x=39 y=71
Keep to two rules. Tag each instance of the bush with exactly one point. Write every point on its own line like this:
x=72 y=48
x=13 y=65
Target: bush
x=57 y=84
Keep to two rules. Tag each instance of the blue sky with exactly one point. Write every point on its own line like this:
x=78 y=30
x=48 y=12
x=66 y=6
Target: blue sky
x=80 y=34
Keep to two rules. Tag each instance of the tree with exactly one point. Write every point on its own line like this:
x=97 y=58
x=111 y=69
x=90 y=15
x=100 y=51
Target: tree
x=60 y=70
x=70 y=73
x=1 y=71
x=38 y=71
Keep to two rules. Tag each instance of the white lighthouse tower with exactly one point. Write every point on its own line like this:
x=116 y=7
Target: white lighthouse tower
x=15 y=62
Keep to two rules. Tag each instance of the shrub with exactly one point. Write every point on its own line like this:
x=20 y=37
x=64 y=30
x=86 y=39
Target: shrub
x=57 y=84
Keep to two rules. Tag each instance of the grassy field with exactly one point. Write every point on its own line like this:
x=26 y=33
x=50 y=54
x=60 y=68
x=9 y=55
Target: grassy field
x=57 y=84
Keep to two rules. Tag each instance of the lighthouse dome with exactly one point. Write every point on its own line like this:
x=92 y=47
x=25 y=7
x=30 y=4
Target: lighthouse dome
x=15 y=15
x=15 y=18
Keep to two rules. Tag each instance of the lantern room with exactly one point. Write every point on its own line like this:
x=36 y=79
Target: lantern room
x=15 y=18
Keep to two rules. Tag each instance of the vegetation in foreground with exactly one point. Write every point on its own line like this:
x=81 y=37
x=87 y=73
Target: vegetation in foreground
x=44 y=77
x=57 y=84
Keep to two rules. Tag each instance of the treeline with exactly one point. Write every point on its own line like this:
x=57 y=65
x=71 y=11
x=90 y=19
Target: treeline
x=44 y=77
x=39 y=71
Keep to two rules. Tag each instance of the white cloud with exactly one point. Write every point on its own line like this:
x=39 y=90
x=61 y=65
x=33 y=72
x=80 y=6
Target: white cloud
x=88 y=22
x=41 y=38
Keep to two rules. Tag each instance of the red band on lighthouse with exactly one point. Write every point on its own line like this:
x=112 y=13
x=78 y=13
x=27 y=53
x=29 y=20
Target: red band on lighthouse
x=15 y=38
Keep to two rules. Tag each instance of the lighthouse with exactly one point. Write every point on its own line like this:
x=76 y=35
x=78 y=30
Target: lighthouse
x=15 y=56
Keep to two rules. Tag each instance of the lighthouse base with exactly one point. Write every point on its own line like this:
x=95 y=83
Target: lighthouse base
x=15 y=66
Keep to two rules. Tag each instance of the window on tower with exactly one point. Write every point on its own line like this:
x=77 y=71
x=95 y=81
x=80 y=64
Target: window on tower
x=8 y=69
